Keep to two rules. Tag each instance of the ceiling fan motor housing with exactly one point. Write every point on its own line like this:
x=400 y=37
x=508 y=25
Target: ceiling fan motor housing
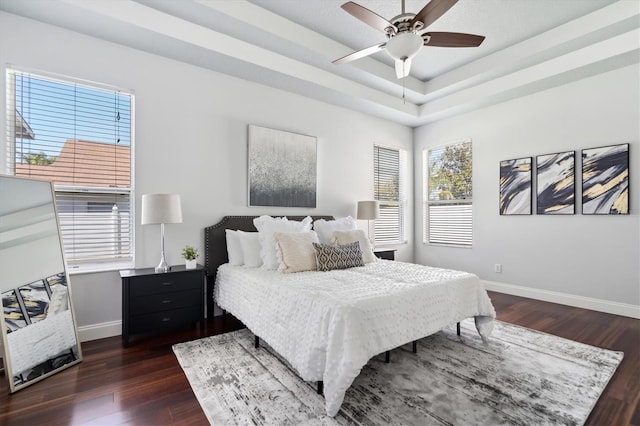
x=402 y=23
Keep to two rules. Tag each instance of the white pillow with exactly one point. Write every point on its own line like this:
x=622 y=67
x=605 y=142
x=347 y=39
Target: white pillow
x=346 y=237
x=326 y=228
x=234 y=249
x=266 y=226
x=295 y=251
x=59 y=300
x=250 y=249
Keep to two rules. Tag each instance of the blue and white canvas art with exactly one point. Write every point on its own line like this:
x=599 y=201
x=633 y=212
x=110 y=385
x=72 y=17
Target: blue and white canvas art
x=282 y=168
x=515 y=186
x=605 y=180
x=555 y=183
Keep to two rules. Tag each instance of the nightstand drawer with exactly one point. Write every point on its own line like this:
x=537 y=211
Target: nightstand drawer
x=164 y=301
x=164 y=320
x=165 y=283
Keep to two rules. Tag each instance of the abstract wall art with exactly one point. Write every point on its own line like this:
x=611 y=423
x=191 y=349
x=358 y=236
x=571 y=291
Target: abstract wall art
x=605 y=180
x=555 y=184
x=282 y=168
x=515 y=186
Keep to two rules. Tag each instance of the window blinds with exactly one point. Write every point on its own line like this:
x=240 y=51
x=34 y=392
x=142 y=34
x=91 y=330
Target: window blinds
x=389 y=191
x=79 y=137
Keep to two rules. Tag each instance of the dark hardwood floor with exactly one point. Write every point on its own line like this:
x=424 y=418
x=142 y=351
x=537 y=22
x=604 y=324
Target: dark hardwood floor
x=144 y=385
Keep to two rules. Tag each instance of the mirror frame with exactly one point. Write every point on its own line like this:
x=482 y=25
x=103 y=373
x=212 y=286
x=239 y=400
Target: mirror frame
x=3 y=325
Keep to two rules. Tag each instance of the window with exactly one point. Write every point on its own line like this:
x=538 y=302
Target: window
x=389 y=175
x=448 y=209
x=80 y=137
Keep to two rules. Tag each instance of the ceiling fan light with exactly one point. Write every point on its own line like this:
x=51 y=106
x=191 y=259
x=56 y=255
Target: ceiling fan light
x=404 y=45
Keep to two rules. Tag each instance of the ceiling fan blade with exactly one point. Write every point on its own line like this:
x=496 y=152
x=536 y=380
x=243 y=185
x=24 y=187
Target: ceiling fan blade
x=367 y=16
x=438 y=39
x=360 y=53
x=432 y=11
x=403 y=66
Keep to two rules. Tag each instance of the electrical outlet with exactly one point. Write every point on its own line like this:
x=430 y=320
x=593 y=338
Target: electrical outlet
x=497 y=268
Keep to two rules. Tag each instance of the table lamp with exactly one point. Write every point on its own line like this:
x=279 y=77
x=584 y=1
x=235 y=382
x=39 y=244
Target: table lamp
x=161 y=208
x=368 y=210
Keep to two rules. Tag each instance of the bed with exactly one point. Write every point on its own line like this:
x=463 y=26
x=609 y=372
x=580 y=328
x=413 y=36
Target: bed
x=328 y=325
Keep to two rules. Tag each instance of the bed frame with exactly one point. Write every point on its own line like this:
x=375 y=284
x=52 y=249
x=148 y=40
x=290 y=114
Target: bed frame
x=215 y=246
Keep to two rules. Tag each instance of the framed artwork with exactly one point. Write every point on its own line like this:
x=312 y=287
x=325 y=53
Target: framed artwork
x=605 y=180
x=282 y=168
x=555 y=183
x=515 y=186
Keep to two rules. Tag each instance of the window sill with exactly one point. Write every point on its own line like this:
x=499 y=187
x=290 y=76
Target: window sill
x=446 y=245
x=91 y=268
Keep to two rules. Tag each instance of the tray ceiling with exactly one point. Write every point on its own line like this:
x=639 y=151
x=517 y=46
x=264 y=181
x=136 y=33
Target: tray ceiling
x=530 y=45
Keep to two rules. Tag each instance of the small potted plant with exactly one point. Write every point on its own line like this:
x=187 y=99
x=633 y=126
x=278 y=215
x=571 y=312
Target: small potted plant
x=190 y=254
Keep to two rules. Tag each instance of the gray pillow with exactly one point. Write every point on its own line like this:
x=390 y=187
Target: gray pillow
x=329 y=257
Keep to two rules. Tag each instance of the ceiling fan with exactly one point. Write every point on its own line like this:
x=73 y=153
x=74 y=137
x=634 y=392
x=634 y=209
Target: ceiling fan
x=407 y=33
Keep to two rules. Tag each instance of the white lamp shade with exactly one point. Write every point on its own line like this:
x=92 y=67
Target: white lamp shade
x=161 y=208
x=368 y=210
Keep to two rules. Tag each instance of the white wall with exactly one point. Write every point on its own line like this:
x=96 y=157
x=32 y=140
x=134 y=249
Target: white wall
x=590 y=261
x=191 y=138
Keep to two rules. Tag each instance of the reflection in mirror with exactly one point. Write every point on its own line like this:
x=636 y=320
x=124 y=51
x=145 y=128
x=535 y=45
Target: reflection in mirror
x=39 y=332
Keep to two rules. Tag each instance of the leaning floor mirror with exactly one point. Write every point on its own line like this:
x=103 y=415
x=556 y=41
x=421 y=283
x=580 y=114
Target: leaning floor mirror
x=39 y=332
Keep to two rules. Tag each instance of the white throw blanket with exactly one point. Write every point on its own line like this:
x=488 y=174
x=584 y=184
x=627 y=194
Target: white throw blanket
x=329 y=324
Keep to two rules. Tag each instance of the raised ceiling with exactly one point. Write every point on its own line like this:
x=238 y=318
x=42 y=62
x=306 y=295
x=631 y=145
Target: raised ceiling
x=530 y=45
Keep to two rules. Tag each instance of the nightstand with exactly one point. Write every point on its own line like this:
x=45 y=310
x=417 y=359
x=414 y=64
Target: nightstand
x=154 y=302
x=385 y=253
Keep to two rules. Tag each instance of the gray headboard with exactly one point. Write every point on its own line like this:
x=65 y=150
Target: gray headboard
x=215 y=246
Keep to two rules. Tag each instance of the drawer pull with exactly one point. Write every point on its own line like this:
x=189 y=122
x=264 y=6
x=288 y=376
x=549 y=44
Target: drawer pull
x=166 y=319
x=169 y=283
x=167 y=301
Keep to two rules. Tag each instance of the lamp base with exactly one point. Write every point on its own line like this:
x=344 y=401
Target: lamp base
x=163 y=266
x=372 y=237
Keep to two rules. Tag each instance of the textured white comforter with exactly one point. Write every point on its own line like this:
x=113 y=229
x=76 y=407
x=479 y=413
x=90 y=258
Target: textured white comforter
x=329 y=324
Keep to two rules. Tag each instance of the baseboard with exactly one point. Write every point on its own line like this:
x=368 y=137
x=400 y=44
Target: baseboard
x=99 y=331
x=624 y=309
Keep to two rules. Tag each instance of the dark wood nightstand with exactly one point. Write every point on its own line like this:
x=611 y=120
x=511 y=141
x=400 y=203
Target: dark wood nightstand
x=154 y=302
x=385 y=253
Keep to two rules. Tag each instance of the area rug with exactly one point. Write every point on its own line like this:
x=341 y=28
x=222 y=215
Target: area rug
x=519 y=377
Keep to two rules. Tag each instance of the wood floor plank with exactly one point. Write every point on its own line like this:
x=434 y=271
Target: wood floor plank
x=144 y=385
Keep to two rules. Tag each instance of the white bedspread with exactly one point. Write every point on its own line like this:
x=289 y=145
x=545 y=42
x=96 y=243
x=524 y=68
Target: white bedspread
x=329 y=324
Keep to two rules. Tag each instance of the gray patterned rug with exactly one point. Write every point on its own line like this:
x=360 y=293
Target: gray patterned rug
x=520 y=376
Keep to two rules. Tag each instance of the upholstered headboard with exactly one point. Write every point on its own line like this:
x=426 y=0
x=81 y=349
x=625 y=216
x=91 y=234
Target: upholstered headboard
x=215 y=246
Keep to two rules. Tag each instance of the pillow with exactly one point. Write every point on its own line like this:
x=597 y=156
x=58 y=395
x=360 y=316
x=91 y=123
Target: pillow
x=266 y=226
x=326 y=228
x=358 y=235
x=250 y=249
x=59 y=300
x=295 y=252
x=234 y=249
x=329 y=257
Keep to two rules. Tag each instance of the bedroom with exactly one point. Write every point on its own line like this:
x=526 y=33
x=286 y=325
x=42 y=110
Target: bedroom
x=191 y=126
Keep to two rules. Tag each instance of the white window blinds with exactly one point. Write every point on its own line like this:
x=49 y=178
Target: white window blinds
x=448 y=207
x=79 y=137
x=389 y=190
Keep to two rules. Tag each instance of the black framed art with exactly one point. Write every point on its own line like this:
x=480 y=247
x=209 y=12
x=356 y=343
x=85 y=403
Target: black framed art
x=605 y=180
x=515 y=186
x=555 y=183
